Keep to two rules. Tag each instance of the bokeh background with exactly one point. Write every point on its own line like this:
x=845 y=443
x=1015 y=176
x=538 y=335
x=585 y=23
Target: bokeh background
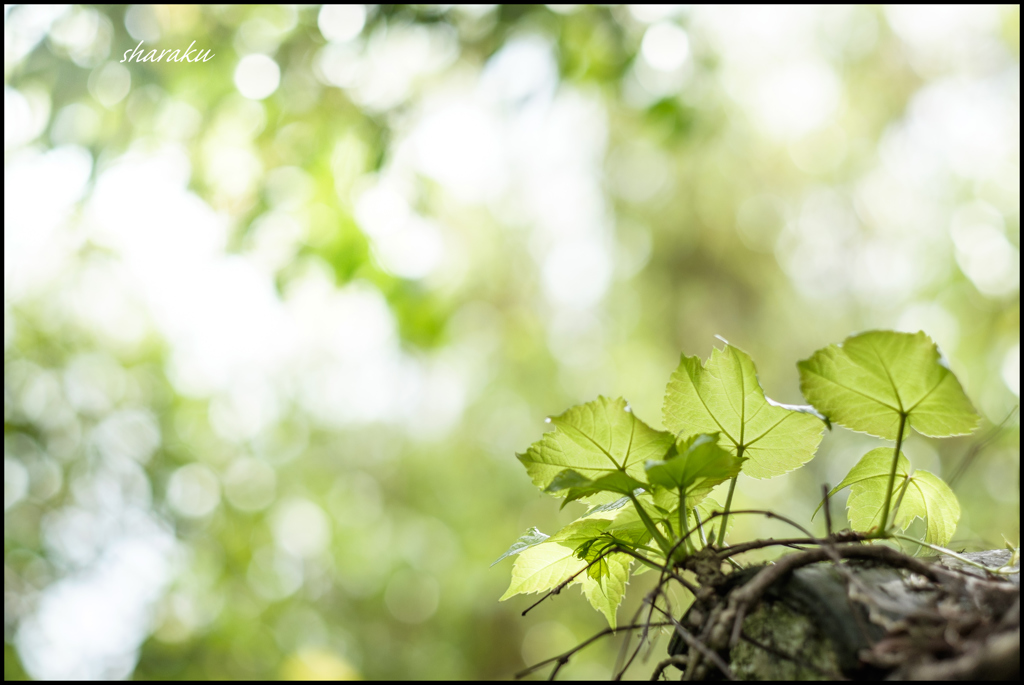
x=275 y=324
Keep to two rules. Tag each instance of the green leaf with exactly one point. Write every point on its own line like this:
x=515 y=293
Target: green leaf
x=925 y=496
x=724 y=396
x=697 y=466
x=595 y=439
x=605 y=593
x=610 y=506
x=706 y=507
x=528 y=539
x=581 y=486
x=873 y=378
x=868 y=481
x=928 y=497
x=543 y=567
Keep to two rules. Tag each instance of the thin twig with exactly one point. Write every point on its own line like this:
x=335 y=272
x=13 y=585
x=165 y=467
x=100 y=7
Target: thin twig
x=565 y=656
x=751 y=593
x=828 y=513
x=652 y=598
x=976 y=449
x=565 y=583
x=694 y=643
x=848 y=577
x=679 y=579
x=677 y=661
x=625 y=642
x=768 y=514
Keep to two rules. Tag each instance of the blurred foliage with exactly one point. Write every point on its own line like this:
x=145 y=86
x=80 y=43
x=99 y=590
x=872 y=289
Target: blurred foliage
x=276 y=323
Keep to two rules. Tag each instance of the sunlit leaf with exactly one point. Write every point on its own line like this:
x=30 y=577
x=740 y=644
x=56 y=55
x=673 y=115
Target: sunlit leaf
x=697 y=465
x=872 y=379
x=595 y=439
x=868 y=481
x=916 y=495
x=528 y=539
x=928 y=497
x=610 y=506
x=723 y=396
x=605 y=593
x=543 y=567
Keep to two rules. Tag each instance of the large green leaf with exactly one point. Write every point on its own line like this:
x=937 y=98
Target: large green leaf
x=595 y=439
x=723 y=396
x=696 y=466
x=874 y=378
x=924 y=496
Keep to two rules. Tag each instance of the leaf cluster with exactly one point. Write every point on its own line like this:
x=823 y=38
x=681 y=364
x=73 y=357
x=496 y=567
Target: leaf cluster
x=648 y=488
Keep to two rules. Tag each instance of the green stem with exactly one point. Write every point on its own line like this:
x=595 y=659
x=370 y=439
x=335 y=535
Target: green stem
x=942 y=550
x=728 y=500
x=682 y=520
x=892 y=476
x=700 y=527
x=662 y=541
x=899 y=500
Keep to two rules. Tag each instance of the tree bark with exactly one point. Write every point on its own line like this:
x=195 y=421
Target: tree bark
x=875 y=614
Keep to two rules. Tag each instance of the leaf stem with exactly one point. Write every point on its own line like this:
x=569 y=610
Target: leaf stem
x=948 y=552
x=728 y=499
x=892 y=476
x=700 y=527
x=899 y=500
x=662 y=541
x=682 y=520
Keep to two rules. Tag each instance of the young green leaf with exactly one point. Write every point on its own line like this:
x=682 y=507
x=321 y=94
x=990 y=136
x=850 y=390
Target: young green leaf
x=924 y=496
x=528 y=539
x=872 y=379
x=868 y=481
x=605 y=593
x=543 y=567
x=595 y=439
x=723 y=396
x=928 y=497
x=610 y=506
x=697 y=465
